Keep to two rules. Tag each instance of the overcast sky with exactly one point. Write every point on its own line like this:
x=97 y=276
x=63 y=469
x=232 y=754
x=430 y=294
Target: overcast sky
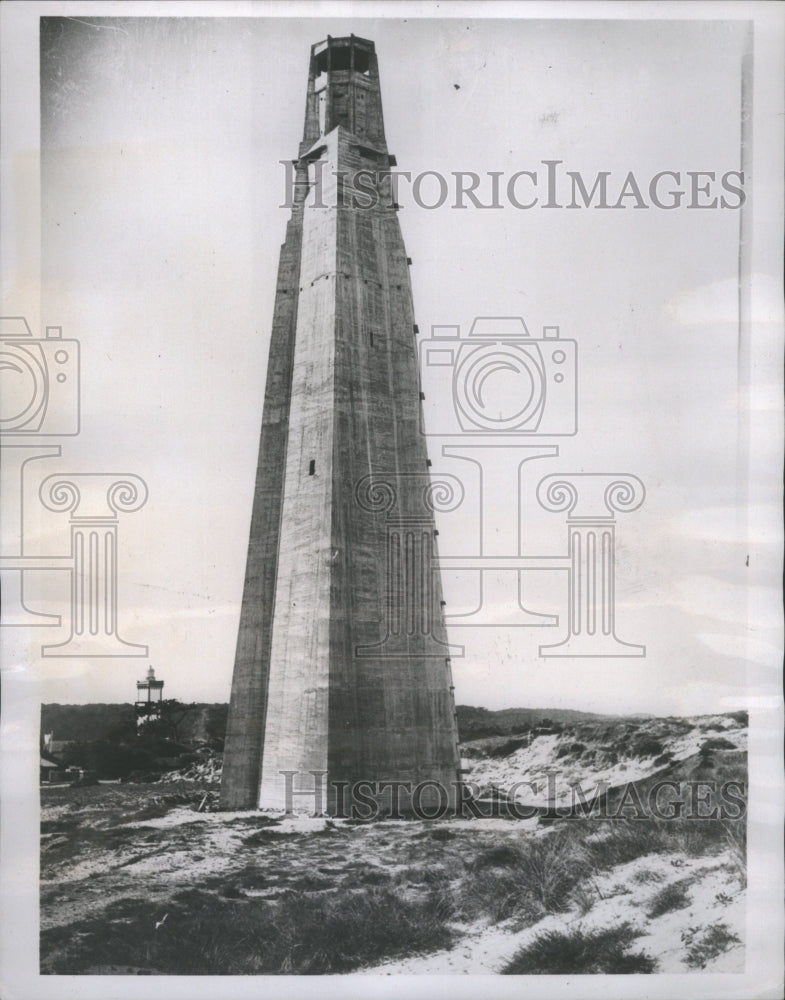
x=160 y=229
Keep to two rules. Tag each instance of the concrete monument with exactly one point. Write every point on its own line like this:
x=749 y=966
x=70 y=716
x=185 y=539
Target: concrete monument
x=342 y=671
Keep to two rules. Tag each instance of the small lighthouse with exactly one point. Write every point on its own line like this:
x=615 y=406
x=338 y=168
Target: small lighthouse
x=149 y=693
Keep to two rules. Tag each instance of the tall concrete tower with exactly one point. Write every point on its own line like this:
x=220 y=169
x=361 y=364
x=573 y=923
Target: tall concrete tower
x=342 y=664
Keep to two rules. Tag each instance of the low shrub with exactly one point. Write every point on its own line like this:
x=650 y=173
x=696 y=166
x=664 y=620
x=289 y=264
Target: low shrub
x=563 y=953
x=508 y=747
x=716 y=743
x=201 y=934
x=647 y=746
x=672 y=897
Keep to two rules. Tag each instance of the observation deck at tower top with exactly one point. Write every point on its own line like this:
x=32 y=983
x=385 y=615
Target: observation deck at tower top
x=341 y=54
x=344 y=90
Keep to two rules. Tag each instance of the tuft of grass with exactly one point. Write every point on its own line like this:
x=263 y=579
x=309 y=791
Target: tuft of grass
x=698 y=838
x=626 y=840
x=374 y=876
x=498 y=856
x=525 y=881
x=260 y=837
x=735 y=840
x=706 y=944
x=440 y=834
x=551 y=866
x=428 y=876
x=576 y=952
x=646 y=876
x=584 y=896
x=65 y=824
x=671 y=897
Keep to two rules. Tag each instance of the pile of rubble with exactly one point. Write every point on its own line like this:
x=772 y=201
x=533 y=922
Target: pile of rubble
x=206 y=771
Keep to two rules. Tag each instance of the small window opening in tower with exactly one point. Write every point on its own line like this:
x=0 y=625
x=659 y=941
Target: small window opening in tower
x=362 y=61
x=321 y=62
x=312 y=467
x=341 y=58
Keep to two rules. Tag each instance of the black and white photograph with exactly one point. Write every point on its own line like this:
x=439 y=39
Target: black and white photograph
x=391 y=424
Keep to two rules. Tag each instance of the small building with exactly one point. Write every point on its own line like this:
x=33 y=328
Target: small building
x=51 y=772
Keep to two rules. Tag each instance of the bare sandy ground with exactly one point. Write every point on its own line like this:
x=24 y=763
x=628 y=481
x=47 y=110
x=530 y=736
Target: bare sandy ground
x=111 y=844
